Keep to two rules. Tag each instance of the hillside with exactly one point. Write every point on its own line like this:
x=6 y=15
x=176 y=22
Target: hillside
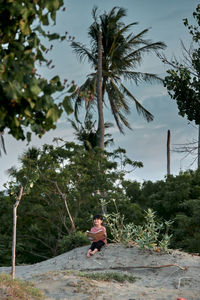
x=157 y=276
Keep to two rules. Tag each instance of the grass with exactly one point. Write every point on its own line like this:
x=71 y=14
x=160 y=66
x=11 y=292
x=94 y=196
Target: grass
x=11 y=289
x=109 y=276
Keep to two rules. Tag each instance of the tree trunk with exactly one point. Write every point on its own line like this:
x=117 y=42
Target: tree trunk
x=73 y=228
x=99 y=93
x=14 y=231
x=199 y=148
x=168 y=152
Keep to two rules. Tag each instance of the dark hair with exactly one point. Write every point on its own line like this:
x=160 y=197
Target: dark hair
x=98 y=217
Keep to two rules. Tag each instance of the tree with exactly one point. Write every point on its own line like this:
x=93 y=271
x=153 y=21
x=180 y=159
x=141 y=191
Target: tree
x=18 y=191
x=183 y=81
x=66 y=173
x=122 y=52
x=87 y=133
x=26 y=99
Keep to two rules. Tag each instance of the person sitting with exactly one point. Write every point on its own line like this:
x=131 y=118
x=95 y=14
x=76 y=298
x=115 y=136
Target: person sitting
x=98 y=243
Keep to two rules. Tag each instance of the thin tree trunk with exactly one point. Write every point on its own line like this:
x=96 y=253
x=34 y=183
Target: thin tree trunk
x=14 y=231
x=168 y=152
x=67 y=207
x=199 y=148
x=99 y=93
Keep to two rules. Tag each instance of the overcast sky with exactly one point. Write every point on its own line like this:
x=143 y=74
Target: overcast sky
x=147 y=141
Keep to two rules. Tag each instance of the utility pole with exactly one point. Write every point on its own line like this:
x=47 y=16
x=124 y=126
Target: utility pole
x=199 y=148
x=168 y=152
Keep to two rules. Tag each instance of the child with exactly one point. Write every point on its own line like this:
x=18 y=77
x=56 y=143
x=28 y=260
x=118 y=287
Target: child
x=97 y=244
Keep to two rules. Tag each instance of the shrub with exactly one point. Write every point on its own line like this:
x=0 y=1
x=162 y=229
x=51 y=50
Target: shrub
x=74 y=240
x=153 y=235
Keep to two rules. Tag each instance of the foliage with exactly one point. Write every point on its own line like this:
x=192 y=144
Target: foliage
x=6 y=207
x=74 y=240
x=151 y=236
x=87 y=133
x=26 y=99
x=177 y=198
x=122 y=53
x=18 y=289
x=43 y=222
x=184 y=88
x=109 y=276
x=183 y=80
x=69 y=185
x=148 y=236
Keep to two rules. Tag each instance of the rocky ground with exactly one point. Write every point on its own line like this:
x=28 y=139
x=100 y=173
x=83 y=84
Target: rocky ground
x=157 y=276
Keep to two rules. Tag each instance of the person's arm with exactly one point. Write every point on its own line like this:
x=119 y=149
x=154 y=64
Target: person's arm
x=104 y=230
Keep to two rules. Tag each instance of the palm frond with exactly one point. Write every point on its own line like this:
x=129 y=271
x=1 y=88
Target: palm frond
x=114 y=16
x=88 y=85
x=114 y=109
x=140 y=77
x=94 y=13
x=118 y=104
x=120 y=100
x=82 y=52
x=140 y=109
x=117 y=36
x=149 y=47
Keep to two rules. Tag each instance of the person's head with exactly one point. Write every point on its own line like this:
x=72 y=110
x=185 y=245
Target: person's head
x=97 y=220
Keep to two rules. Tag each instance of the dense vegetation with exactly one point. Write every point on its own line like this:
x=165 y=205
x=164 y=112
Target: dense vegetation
x=64 y=185
x=69 y=174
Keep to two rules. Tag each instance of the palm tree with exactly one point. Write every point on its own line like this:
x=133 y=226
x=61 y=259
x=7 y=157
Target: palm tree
x=122 y=52
x=87 y=133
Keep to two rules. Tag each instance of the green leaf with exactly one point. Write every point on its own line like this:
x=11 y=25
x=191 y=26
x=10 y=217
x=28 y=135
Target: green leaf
x=55 y=79
x=53 y=36
x=27 y=112
x=24 y=27
x=53 y=5
x=67 y=105
x=53 y=113
x=44 y=19
x=32 y=104
x=35 y=89
x=16 y=121
x=28 y=136
x=72 y=89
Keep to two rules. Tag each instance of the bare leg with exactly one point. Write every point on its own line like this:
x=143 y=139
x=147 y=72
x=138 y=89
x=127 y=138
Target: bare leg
x=89 y=253
x=94 y=251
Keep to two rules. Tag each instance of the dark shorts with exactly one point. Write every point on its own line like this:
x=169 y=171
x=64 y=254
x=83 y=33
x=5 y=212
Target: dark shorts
x=97 y=245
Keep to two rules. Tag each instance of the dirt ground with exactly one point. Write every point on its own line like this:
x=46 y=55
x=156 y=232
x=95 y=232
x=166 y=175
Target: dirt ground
x=157 y=276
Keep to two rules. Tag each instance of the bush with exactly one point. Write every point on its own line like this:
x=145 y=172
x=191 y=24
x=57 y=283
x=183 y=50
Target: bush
x=74 y=240
x=153 y=235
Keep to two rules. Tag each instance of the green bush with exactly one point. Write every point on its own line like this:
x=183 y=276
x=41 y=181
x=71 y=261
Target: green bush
x=74 y=240
x=152 y=235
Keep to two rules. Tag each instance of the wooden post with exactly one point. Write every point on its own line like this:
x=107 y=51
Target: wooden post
x=198 y=149
x=168 y=152
x=14 y=231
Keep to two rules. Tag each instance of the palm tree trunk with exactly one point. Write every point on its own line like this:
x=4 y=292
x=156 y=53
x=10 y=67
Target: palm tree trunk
x=99 y=93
